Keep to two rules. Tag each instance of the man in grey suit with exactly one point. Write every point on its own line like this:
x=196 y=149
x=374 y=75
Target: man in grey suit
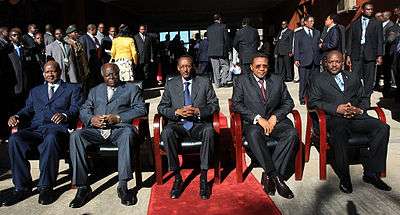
x=307 y=55
x=246 y=42
x=48 y=35
x=218 y=46
x=61 y=53
x=144 y=48
x=107 y=115
x=188 y=103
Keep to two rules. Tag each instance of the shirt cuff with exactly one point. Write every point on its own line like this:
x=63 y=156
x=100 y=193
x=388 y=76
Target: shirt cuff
x=256 y=119
x=66 y=117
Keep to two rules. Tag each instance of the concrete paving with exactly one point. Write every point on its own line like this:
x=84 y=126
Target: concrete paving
x=312 y=196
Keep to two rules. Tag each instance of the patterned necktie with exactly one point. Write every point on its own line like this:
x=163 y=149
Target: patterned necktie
x=262 y=89
x=188 y=101
x=339 y=81
x=51 y=92
x=398 y=46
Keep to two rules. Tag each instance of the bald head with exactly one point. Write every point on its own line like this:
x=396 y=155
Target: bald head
x=53 y=64
x=334 y=62
x=52 y=72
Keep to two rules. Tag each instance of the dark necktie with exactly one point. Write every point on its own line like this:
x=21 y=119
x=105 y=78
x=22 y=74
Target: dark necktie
x=188 y=101
x=262 y=89
x=51 y=92
x=310 y=33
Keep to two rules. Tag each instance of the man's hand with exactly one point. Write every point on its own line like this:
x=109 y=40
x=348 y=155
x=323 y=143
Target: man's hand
x=343 y=108
x=264 y=124
x=348 y=62
x=297 y=63
x=290 y=54
x=193 y=111
x=58 y=118
x=320 y=45
x=183 y=112
x=112 y=119
x=379 y=60
x=353 y=111
x=99 y=121
x=272 y=122
x=13 y=121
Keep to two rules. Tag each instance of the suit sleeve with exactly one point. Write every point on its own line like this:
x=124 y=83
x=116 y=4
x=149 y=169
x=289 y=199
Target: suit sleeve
x=291 y=36
x=296 y=46
x=236 y=42
x=349 y=40
x=238 y=102
x=286 y=105
x=76 y=101
x=316 y=99
x=27 y=111
x=212 y=103
x=87 y=110
x=363 y=98
x=165 y=106
x=379 y=40
x=137 y=108
x=333 y=41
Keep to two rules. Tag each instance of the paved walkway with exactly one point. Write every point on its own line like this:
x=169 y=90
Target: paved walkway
x=312 y=196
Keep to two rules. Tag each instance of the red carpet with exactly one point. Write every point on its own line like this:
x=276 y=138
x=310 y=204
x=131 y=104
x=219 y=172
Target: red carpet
x=228 y=197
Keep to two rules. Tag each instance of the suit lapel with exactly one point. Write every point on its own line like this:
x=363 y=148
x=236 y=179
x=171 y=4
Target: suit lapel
x=195 y=89
x=60 y=90
x=117 y=93
x=268 y=89
x=332 y=82
x=255 y=85
x=44 y=93
x=179 y=91
x=346 y=81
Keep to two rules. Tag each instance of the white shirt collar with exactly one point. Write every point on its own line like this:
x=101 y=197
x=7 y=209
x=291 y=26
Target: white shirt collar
x=307 y=29
x=49 y=33
x=90 y=35
x=112 y=38
x=385 y=23
x=30 y=34
x=55 y=85
x=330 y=27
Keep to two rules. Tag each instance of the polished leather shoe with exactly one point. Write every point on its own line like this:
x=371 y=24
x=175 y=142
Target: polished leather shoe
x=17 y=196
x=125 y=196
x=46 y=196
x=204 y=190
x=282 y=188
x=268 y=184
x=346 y=187
x=81 y=197
x=176 y=188
x=377 y=182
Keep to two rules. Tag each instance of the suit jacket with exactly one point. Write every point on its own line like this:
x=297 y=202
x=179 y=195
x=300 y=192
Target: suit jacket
x=54 y=51
x=127 y=102
x=144 y=48
x=284 y=45
x=248 y=101
x=202 y=94
x=203 y=50
x=40 y=109
x=218 y=40
x=106 y=45
x=331 y=41
x=326 y=94
x=28 y=41
x=6 y=70
x=306 y=49
x=386 y=28
x=48 y=38
x=246 y=42
x=373 y=46
x=89 y=46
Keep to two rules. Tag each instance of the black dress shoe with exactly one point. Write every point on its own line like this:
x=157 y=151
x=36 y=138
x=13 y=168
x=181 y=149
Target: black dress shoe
x=204 y=190
x=81 y=197
x=46 y=196
x=268 y=184
x=282 y=188
x=125 y=196
x=346 y=187
x=17 y=196
x=377 y=182
x=176 y=188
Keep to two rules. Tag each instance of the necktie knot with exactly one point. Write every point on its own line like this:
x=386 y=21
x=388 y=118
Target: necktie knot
x=261 y=81
x=51 y=91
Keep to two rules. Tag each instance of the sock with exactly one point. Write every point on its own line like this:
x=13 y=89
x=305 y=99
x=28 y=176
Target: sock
x=203 y=174
x=123 y=184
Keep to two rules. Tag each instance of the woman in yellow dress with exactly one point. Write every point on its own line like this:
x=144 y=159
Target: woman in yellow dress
x=123 y=53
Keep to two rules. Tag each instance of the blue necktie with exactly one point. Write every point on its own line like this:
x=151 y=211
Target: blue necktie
x=188 y=101
x=18 y=49
x=339 y=81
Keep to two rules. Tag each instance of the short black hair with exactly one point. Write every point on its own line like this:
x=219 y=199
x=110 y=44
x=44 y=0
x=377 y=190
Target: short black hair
x=363 y=6
x=246 y=21
x=334 y=17
x=258 y=55
x=185 y=56
x=216 y=17
x=307 y=17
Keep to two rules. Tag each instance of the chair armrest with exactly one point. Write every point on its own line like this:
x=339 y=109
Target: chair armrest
x=380 y=113
x=297 y=122
x=237 y=129
x=216 y=124
x=156 y=129
x=79 y=124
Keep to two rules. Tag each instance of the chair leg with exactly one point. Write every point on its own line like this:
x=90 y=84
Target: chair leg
x=322 y=164
x=239 y=165
x=299 y=163
x=158 y=168
x=217 y=173
x=308 y=138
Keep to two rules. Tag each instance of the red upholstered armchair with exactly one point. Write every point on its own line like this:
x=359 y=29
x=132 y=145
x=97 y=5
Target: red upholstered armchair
x=317 y=135
x=240 y=143
x=188 y=147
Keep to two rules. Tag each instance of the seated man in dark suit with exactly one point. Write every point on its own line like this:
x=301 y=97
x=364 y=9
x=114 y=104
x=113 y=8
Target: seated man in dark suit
x=263 y=102
x=341 y=95
x=107 y=115
x=188 y=103
x=50 y=108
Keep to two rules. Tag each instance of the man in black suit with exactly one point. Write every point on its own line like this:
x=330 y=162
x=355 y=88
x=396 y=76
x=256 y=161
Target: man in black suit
x=365 y=47
x=188 y=103
x=307 y=55
x=283 y=52
x=386 y=67
x=341 y=95
x=331 y=39
x=144 y=48
x=29 y=37
x=246 y=42
x=218 y=47
x=106 y=44
x=264 y=102
x=204 y=61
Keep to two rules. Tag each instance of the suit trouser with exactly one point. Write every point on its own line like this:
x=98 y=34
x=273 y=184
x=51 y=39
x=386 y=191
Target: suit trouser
x=204 y=69
x=306 y=75
x=281 y=160
x=174 y=133
x=143 y=72
x=220 y=68
x=340 y=130
x=366 y=71
x=123 y=137
x=49 y=143
x=284 y=67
